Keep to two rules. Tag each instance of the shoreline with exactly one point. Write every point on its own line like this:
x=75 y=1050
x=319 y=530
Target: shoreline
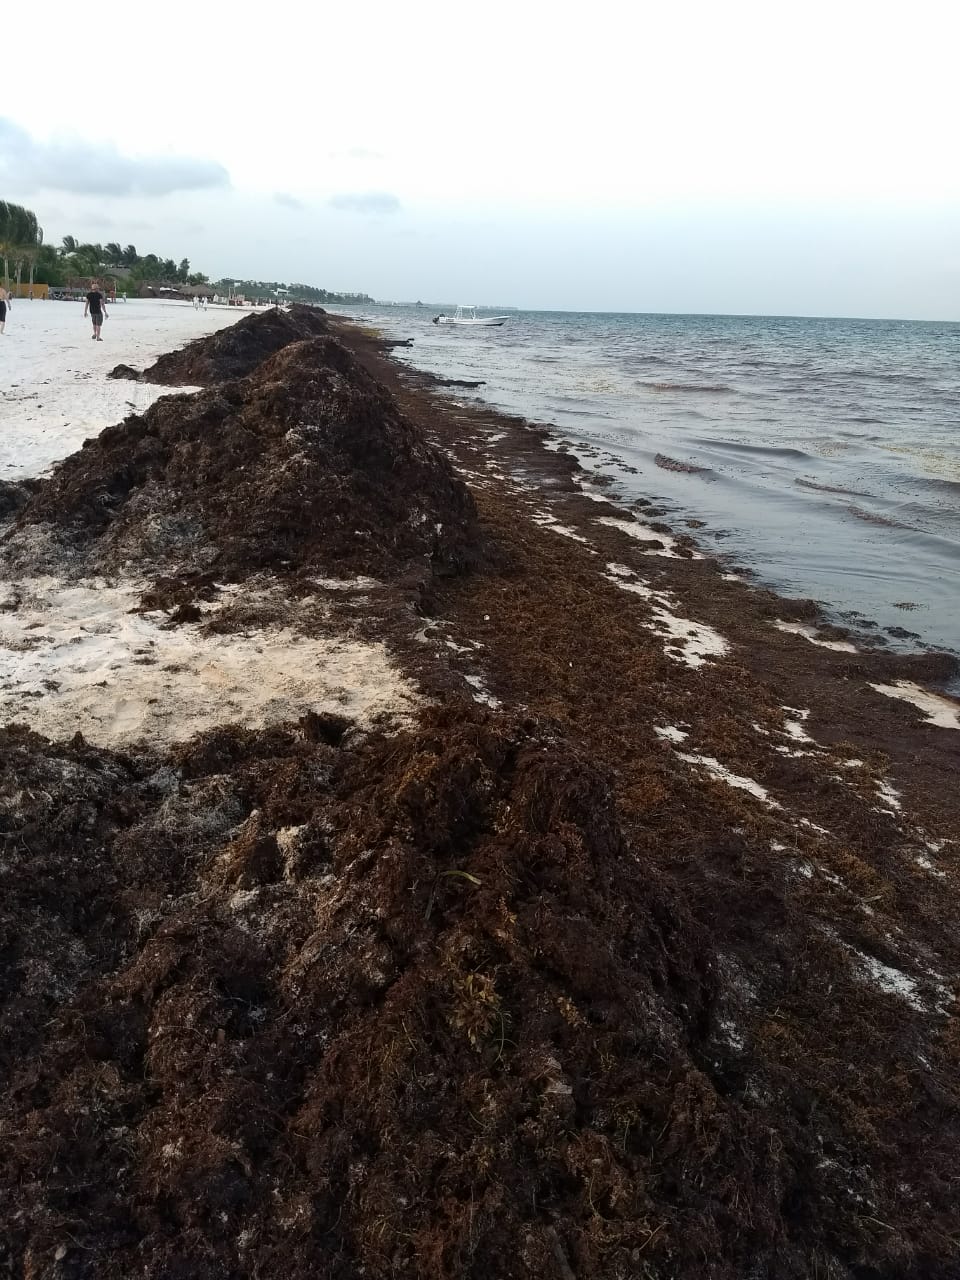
x=540 y=453
x=685 y=602
x=817 y=506
x=634 y=932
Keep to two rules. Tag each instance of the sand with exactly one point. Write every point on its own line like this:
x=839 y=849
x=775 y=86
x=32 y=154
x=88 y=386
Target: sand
x=78 y=658
x=689 y=642
x=810 y=633
x=941 y=712
x=75 y=656
x=55 y=389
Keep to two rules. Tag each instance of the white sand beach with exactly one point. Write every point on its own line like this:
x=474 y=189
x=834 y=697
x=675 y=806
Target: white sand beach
x=54 y=390
x=79 y=657
x=74 y=655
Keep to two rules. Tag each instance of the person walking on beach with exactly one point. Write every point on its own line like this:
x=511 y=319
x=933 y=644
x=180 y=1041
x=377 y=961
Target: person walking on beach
x=5 y=304
x=98 y=311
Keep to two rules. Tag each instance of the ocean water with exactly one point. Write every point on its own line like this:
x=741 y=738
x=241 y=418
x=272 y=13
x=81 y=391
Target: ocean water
x=822 y=454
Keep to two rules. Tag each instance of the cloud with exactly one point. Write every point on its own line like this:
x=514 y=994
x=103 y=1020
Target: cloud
x=366 y=202
x=90 y=168
x=288 y=201
x=356 y=153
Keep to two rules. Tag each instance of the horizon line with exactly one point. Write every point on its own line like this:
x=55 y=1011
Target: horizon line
x=716 y=315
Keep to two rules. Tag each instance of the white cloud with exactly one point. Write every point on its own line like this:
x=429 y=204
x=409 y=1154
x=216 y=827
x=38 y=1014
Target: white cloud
x=88 y=168
x=356 y=153
x=365 y=202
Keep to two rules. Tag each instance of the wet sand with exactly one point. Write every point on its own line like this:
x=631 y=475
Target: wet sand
x=631 y=950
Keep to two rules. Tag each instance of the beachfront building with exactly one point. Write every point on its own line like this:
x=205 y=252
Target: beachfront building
x=172 y=291
x=26 y=290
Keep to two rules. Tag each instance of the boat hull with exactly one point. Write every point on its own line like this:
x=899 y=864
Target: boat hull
x=467 y=318
x=484 y=322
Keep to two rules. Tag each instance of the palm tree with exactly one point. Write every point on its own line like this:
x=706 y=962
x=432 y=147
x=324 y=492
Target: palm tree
x=70 y=244
x=130 y=256
x=113 y=254
x=87 y=259
x=5 y=237
x=26 y=239
x=14 y=231
x=33 y=253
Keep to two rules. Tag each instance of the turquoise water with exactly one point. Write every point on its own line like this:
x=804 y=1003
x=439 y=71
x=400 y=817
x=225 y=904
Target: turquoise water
x=823 y=454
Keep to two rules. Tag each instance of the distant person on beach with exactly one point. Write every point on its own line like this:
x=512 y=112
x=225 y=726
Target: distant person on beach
x=98 y=311
x=5 y=304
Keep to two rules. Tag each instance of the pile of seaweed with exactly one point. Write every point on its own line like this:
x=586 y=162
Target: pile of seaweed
x=14 y=495
x=306 y=465
x=232 y=352
x=301 y=1003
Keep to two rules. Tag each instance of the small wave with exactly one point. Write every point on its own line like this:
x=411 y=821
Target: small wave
x=715 y=388
x=673 y=464
x=877 y=375
x=871 y=517
x=765 y=450
x=583 y=413
x=829 y=488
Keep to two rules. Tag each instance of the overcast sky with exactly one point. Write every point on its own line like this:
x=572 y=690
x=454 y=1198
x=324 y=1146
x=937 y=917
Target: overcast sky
x=735 y=157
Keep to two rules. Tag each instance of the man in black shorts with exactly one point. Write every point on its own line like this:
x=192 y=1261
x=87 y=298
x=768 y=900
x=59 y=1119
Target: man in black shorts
x=98 y=311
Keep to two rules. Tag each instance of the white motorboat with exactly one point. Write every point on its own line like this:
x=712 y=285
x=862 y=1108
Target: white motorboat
x=468 y=316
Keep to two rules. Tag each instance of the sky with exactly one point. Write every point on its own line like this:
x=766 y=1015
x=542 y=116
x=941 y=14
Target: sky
x=733 y=157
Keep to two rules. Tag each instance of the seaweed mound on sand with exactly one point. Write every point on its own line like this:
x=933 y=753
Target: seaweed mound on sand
x=415 y=1008
x=232 y=352
x=307 y=465
x=295 y=1004
x=14 y=496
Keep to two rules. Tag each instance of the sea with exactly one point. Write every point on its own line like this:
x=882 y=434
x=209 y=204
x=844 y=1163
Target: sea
x=822 y=455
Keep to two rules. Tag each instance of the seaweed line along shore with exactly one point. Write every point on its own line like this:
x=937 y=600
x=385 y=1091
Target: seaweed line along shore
x=415 y=861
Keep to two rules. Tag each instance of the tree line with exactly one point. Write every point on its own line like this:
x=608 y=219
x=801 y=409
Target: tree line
x=124 y=262
x=22 y=246
x=21 y=240
x=289 y=292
